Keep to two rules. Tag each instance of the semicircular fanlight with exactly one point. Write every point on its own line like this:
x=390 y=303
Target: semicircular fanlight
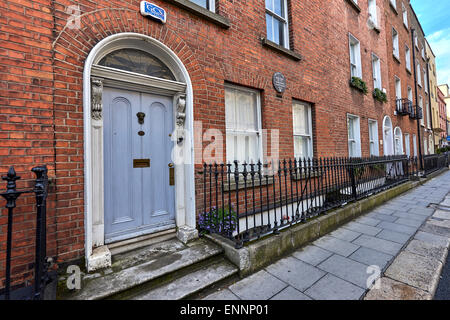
x=137 y=61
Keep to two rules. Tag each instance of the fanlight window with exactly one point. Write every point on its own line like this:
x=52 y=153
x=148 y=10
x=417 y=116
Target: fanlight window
x=137 y=61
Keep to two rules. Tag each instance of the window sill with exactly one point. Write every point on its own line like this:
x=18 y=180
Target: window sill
x=406 y=27
x=393 y=8
x=289 y=53
x=354 y=5
x=409 y=71
x=376 y=29
x=232 y=186
x=397 y=58
x=201 y=12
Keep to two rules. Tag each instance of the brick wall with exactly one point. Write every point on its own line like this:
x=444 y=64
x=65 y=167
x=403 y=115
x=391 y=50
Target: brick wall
x=42 y=61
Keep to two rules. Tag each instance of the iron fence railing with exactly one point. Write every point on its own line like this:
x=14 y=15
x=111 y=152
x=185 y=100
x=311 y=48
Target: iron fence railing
x=11 y=195
x=244 y=202
x=403 y=106
x=435 y=162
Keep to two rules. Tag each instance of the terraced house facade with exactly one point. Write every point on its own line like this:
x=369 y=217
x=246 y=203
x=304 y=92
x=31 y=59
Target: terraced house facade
x=105 y=96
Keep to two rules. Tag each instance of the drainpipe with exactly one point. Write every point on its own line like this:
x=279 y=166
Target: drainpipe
x=417 y=99
x=429 y=101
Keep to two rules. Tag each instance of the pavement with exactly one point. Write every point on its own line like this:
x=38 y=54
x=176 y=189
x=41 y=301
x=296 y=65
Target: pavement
x=395 y=251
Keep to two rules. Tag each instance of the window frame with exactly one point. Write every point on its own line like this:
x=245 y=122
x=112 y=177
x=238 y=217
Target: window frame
x=408 y=58
x=376 y=73
x=407 y=144
x=259 y=131
x=210 y=5
x=285 y=20
x=373 y=140
x=372 y=10
x=353 y=40
x=405 y=15
x=399 y=87
x=395 y=43
x=310 y=136
x=357 y=135
x=414 y=138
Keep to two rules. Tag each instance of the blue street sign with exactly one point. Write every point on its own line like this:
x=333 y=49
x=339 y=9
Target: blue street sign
x=153 y=11
x=448 y=138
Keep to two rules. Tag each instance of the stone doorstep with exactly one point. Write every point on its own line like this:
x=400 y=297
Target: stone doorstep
x=192 y=282
x=116 y=282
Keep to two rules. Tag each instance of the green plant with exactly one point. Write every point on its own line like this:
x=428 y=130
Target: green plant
x=379 y=95
x=359 y=84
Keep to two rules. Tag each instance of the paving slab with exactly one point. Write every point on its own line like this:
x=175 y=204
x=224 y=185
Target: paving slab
x=382 y=217
x=397 y=227
x=436 y=227
x=422 y=211
x=347 y=269
x=345 y=234
x=296 y=273
x=393 y=290
x=259 y=286
x=344 y=248
x=415 y=270
x=223 y=294
x=409 y=222
x=409 y=215
x=334 y=288
x=312 y=255
x=441 y=214
x=371 y=257
x=362 y=228
x=378 y=244
x=427 y=249
x=398 y=237
x=432 y=238
x=368 y=221
x=290 y=293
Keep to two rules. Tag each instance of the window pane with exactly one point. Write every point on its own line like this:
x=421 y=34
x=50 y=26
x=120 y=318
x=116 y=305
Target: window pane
x=269 y=4
x=269 y=25
x=242 y=125
x=202 y=3
x=301 y=119
x=137 y=61
x=276 y=31
x=302 y=147
x=279 y=7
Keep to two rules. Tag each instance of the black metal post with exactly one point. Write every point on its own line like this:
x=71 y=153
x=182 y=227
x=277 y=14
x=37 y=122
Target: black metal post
x=40 y=190
x=10 y=196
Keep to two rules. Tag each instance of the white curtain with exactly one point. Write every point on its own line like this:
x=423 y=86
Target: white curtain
x=242 y=126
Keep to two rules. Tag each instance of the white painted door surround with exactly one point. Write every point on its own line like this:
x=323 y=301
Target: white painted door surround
x=179 y=91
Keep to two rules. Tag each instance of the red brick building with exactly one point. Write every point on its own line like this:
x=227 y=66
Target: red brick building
x=442 y=117
x=216 y=71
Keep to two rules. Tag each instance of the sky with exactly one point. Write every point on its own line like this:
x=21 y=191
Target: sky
x=434 y=16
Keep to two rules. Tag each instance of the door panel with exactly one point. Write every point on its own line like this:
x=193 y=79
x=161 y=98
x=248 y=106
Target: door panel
x=137 y=200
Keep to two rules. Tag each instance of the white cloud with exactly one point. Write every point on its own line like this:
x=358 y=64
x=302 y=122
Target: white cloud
x=440 y=43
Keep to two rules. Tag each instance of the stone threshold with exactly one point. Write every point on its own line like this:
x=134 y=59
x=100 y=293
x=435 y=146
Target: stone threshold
x=260 y=253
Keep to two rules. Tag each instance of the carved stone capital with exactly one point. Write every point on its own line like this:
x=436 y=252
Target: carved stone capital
x=181 y=107
x=96 y=94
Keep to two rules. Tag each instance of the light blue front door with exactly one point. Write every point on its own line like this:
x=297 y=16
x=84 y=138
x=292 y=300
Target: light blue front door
x=137 y=152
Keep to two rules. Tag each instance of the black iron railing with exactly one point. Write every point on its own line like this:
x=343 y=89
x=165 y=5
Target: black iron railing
x=415 y=112
x=403 y=106
x=11 y=195
x=246 y=201
x=436 y=162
